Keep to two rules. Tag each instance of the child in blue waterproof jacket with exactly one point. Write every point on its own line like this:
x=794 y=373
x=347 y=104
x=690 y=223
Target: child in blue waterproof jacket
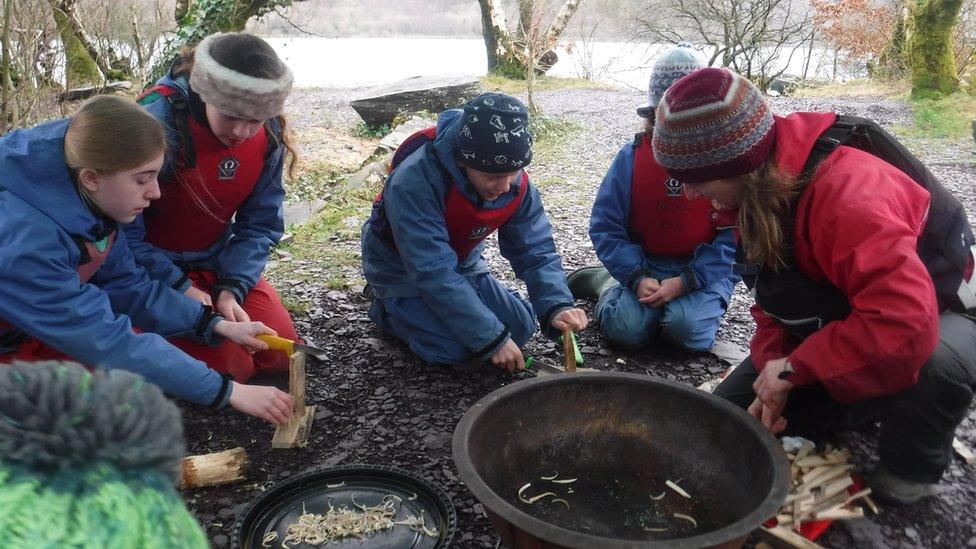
x=422 y=247
x=671 y=256
x=71 y=288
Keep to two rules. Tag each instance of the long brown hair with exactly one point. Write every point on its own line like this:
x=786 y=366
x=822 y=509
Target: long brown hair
x=768 y=194
x=110 y=134
x=250 y=55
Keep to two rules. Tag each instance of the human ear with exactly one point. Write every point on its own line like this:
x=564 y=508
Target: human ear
x=89 y=179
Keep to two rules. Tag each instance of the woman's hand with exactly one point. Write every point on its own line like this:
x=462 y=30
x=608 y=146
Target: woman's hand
x=244 y=333
x=771 y=395
x=267 y=403
x=509 y=357
x=229 y=308
x=671 y=289
x=199 y=295
x=574 y=319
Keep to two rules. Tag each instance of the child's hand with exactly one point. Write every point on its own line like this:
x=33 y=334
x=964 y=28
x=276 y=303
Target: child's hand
x=199 y=295
x=229 y=308
x=509 y=357
x=267 y=403
x=244 y=334
x=647 y=286
x=671 y=288
x=574 y=319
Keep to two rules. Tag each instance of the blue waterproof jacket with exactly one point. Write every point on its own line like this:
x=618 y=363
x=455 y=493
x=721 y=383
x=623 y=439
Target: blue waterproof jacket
x=427 y=266
x=239 y=257
x=625 y=258
x=41 y=213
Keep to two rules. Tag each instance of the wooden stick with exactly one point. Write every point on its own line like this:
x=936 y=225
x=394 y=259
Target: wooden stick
x=294 y=434
x=570 y=358
x=839 y=513
x=213 y=469
x=963 y=451
x=780 y=536
x=804 y=450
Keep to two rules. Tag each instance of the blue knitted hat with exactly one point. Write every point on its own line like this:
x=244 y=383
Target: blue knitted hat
x=668 y=69
x=493 y=135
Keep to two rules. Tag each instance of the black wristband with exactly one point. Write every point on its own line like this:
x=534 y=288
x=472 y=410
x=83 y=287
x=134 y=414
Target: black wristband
x=224 y=387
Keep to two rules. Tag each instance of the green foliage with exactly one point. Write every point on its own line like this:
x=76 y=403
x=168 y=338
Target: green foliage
x=948 y=116
x=205 y=17
x=550 y=129
x=366 y=131
x=929 y=47
x=511 y=86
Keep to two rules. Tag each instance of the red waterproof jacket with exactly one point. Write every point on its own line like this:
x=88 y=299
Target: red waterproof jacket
x=857 y=226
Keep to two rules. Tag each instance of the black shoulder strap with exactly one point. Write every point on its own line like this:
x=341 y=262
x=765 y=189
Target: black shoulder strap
x=838 y=134
x=638 y=138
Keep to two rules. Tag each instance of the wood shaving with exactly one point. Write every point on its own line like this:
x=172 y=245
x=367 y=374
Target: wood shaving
x=343 y=522
x=269 y=538
x=659 y=497
x=688 y=518
x=561 y=500
x=550 y=477
x=565 y=481
x=677 y=488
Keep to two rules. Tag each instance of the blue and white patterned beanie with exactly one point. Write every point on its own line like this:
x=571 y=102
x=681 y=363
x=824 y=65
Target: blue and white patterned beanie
x=673 y=65
x=493 y=134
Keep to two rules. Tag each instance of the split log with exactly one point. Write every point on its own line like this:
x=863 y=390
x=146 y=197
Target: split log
x=213 y=469
x=77 y=94
x=779 y=536
x=294 y=434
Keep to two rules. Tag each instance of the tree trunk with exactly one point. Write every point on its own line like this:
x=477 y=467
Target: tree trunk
x=506 y=52
x=79 y=67
x=558 y=24
x=9 y=110
x=892 y=59
x=930 y=57
x=180 y=10
x=530 y=32
x=489 y=34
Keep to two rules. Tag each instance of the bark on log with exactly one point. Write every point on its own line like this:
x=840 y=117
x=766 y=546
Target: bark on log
x=213 y=469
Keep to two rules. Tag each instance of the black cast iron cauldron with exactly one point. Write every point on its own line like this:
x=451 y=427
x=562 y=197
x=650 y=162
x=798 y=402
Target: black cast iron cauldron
x=622 y=437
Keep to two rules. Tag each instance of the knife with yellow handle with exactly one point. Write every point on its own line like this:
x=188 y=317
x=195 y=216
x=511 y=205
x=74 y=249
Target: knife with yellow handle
x=288 y=346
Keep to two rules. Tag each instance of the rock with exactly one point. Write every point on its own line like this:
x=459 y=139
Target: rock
x=729 y=352
x=371 y=174
x=400 y=133
x=974 y=130
x=380 y=105
x=220 y=540
x=296 y=214
x=972 y=542
x=911 y=533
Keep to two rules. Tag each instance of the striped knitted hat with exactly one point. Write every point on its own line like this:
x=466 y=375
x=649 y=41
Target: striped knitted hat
x=712 y=124
x=668 y=69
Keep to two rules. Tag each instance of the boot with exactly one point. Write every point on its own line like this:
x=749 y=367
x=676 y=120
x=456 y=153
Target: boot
x=589 y=282
x=895 y=489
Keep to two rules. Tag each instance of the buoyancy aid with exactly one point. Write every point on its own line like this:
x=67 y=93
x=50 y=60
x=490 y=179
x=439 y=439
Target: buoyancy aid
x=208 y=185
x=93 y=256
x=662 y=220
x=467 y=224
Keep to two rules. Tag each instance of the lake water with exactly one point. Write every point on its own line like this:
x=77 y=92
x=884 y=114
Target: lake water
x=356 y=62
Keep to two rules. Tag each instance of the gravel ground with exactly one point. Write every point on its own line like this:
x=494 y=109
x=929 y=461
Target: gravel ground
x=377 y=404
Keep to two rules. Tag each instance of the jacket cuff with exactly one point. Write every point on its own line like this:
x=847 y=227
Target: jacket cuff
x=206 y=324
x=801 y=373
x=488 y=351
x=689 y=278
x=232 y=285
x=634 y=278
x=223 y=394
x=546 y=319
x=182 y=284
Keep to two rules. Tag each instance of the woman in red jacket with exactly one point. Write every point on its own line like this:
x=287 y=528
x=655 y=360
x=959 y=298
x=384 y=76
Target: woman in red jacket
x=846 y=308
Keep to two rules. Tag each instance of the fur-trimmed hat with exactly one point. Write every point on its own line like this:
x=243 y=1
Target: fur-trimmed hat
x=493 y=134
x=235 y=93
